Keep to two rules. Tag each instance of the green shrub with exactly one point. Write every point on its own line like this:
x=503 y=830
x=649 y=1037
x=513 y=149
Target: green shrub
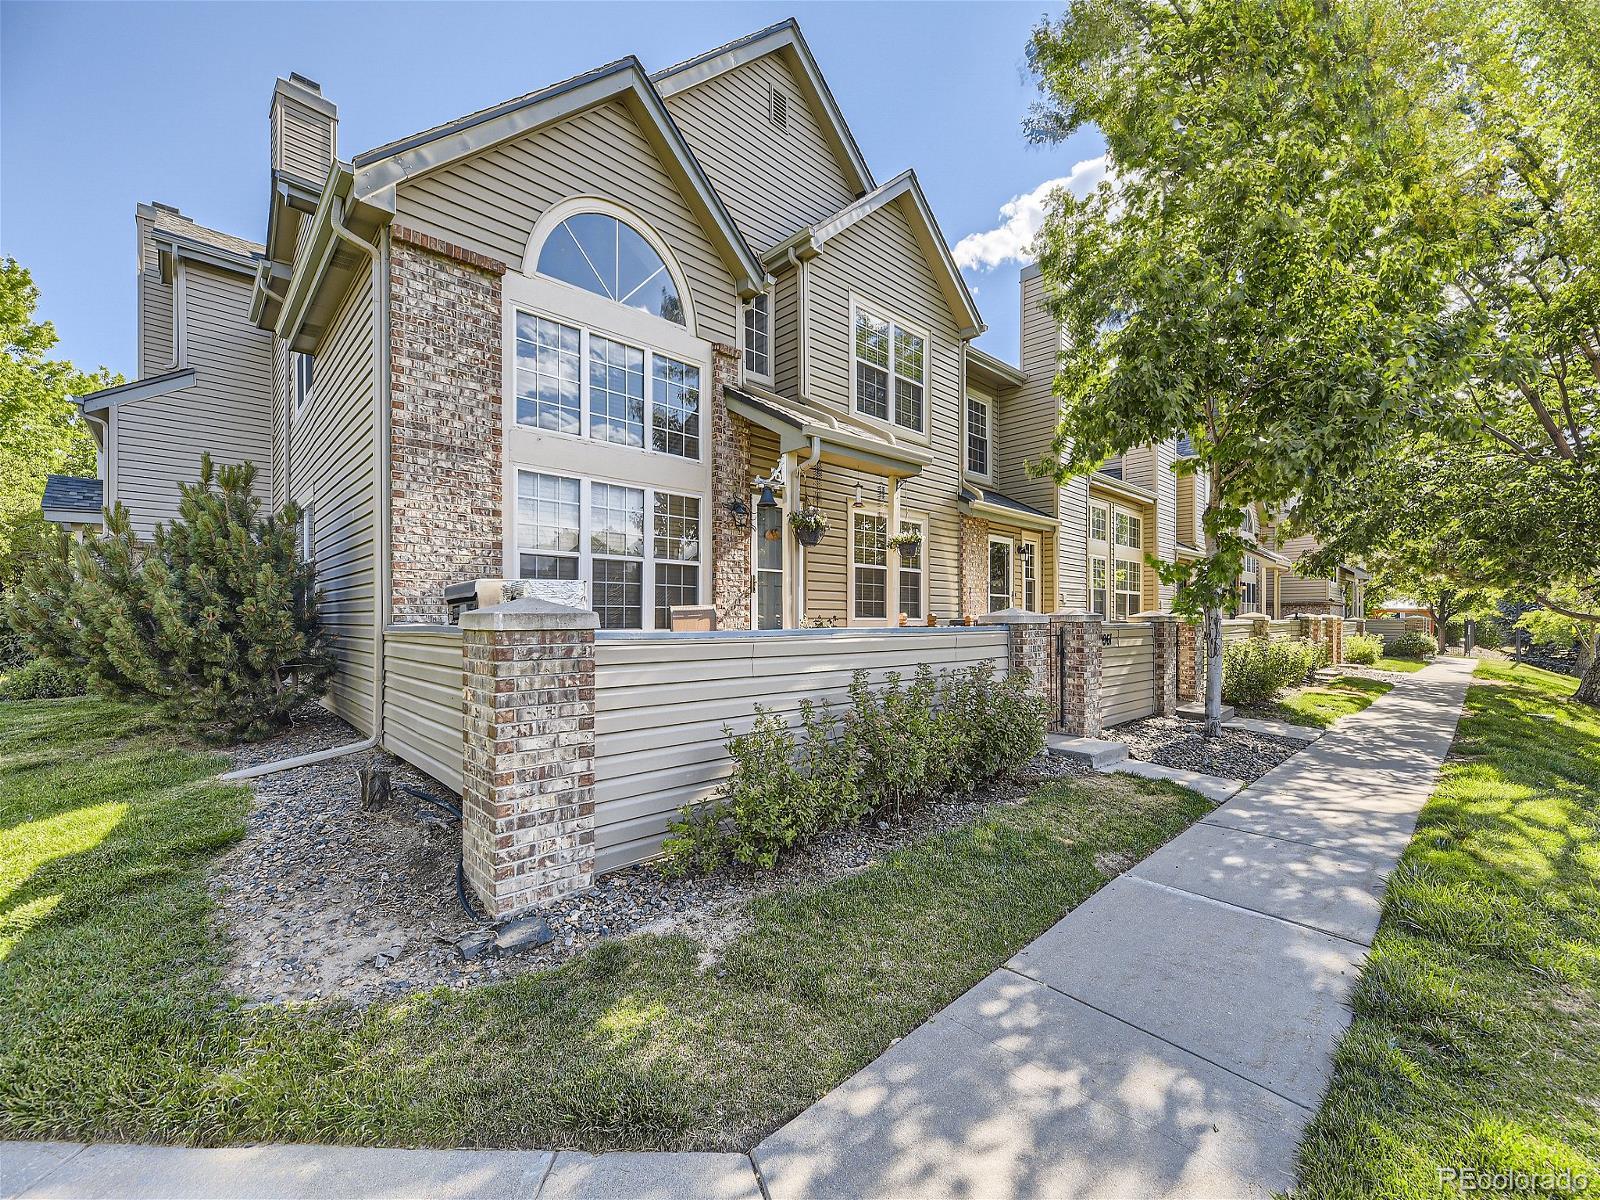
x=901 y=744
x=1254 y=670
x=214 y=619
x=1363 y=648
x=40 y=679
x=1413 y=643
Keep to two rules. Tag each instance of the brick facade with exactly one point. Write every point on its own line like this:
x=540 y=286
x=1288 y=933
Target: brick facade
x=1165 y=629
x=732 y=577
x=1029 y=648
x=974 y=566
x=1077 y=637
x=527 y=794
x=1188 y=660
x=444 y=441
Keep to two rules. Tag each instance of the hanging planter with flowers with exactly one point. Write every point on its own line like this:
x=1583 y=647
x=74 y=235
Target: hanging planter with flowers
x=908 y=544
x=809 y=524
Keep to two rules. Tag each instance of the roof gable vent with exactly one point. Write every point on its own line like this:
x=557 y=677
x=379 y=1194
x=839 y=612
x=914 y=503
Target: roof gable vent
x=777 y=107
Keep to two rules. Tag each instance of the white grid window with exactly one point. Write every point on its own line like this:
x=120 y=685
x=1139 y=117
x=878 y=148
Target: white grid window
x=977 y=436
x=675 y=407
x=547 y=526
x=757 y=336
x=1129 y=579
x=890 y=369
x=548 y=372
x=869 y=563
x=616 y=392
x=1097 y=523
x=999 y=574
x=676 y=553
x=1129 y=529
x=616 y=542
x=1250 y=585
x=1028 y=560
x=1098 y=594
x=911 y=571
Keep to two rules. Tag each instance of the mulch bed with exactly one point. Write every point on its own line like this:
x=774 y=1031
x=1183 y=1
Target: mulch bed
x=325 y=900
x=1172 y=742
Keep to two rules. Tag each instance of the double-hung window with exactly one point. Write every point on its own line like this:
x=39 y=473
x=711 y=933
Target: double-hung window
x=911 y=570
x=1098 y=587
x=999 y=573
x=574 y=528
x=869 y=566
x=890 y=370
x=584 y=383
x=758 y=336
x=1028 y=561
x=1127 y=574
x=977 y=436
x=1129 y=580
x=1250 y=585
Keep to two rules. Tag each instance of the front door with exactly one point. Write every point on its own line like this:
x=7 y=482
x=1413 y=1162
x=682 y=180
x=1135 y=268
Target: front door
x=767 y=555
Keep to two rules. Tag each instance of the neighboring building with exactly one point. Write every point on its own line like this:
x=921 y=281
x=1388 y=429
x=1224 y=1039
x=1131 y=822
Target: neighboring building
x=1342 y=594
x=609 y=336
x=73 y=503
x=1403 y=607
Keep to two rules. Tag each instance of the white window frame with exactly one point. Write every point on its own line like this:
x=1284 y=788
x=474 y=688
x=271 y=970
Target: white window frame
x=988 y=437
x=308 y=534
x=1103 y=511
x=1117 y=593
x=919 y=526
x=585 y=552
x=1250 y=585
x=851 y=618
x=302 y=383
x=756 y=569
x=1011 y=569
x=1101 y=561
x=745 y=350
x=1028 y=572
x=880 y=313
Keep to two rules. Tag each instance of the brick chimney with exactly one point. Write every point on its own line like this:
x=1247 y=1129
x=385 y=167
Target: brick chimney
x=305 y=131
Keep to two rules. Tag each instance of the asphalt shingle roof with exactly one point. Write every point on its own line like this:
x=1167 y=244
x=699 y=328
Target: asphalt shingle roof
x=70 y=493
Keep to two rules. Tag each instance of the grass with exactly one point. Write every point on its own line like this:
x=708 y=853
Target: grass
x=117 y=1027
x=1322 y=705
x=1402 y=665
x=1476 y=1040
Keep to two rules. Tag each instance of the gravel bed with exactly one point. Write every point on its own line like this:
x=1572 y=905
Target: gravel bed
x=1172 y=742
x=1365 y=672
x=326 y=900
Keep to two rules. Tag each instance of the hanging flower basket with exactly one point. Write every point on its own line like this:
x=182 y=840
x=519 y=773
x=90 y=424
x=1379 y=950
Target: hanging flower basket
x=907 y=543
x=809 y=524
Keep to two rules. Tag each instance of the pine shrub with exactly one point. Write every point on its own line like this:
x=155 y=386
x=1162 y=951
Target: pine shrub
x=40 y=679
x=214 y=620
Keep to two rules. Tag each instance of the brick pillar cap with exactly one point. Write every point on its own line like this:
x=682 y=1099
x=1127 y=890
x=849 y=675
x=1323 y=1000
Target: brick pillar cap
x=1255 y=616
x=530 y=613
x=1076 y=614
x=1013 y=616
x=1156 y=615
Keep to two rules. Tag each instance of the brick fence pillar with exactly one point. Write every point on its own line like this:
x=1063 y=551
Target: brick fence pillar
x=1188 y=661
x=1260 y=626
x=527 y=793
x=732 y=579
x=1336 y=638
x=1077 y=639
x=1164 y=626
x=1027 y=646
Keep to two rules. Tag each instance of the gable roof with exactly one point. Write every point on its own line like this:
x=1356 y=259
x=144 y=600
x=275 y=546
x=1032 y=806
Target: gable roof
x=70 y=493
x=783 y=38
x=902 y=188
x=379 y=170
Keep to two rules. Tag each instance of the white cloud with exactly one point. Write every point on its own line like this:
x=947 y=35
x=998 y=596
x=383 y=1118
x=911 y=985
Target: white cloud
x=1020 y=219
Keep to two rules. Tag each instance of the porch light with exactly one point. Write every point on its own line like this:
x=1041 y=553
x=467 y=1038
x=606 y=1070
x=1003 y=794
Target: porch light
x=740 y=512
x=858 y=503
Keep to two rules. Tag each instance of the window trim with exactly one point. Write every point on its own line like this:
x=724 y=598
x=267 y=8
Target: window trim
x=585 y=551
x=1255 y=583
x=884 y=314
x=1117 y=593
x=302 y=384
x=1105 y=586
x=919 y=523
x=772 y=346
x=307 y=540
x=851 y=567
x=756 y=569
x=1035 y=556
x=1011 y=568
x=988 y=436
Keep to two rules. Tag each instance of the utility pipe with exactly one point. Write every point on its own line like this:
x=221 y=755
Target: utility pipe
x=299 y=760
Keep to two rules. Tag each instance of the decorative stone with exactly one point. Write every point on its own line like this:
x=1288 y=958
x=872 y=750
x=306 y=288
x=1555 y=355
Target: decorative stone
x=522 y=933
x=475 y=945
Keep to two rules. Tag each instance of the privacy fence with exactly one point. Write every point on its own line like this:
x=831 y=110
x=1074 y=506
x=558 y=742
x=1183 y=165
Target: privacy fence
x=573 y=749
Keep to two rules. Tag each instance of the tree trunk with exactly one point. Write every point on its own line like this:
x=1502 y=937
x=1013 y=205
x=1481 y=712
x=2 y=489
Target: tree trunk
x=1589 y=685
x=1212 y=631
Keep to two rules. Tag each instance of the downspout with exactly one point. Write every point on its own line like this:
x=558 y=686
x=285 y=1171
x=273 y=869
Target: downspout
x=380 y=458
x=800 y=468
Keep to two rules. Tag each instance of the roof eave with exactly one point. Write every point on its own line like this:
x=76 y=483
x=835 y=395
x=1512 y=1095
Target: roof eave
x=139 y=389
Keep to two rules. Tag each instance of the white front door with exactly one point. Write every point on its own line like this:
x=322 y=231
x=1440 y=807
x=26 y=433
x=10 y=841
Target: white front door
x=766 y=555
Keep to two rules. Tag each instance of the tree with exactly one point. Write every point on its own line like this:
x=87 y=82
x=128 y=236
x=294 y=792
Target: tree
x=1262 y=269
x=215 y=619
x=41 y=432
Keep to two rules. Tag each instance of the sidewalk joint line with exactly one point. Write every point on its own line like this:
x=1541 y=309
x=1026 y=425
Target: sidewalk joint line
x=1150 y=1033
x=1244 y=908
x=755 y=1169
x=545 y=1178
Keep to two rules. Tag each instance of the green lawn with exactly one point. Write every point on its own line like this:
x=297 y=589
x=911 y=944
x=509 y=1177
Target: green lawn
x=1322 y=705
x=116 y=1026
x=1476 y=1042
x=1403 y=665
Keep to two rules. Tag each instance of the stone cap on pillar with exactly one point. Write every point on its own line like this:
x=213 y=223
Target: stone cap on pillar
x=1254 y=616
x=531 y=612
x=1076 y=614
x=1013 y=616
x=1156 y=615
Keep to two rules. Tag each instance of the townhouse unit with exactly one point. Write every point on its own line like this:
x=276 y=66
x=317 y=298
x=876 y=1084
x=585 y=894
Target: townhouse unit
x=610 y=337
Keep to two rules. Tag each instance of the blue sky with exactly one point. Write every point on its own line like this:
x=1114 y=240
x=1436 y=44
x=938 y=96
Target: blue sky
x=106 y=105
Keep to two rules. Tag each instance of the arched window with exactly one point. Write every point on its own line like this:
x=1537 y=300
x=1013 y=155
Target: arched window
x=601 y=254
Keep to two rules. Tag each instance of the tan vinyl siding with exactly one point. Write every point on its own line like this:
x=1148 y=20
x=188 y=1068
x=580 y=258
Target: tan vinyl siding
x=424 y=699
x=1297 y=588
x=661 y=704
x=880 y=261
x=1128 y=678
x=773 y=181
x=786 y=333
x=226 y=412
x=280 y=422
x=331 y=468
x=1188 y=516
x=155 y=309
x=302 y=141
x=490 y=202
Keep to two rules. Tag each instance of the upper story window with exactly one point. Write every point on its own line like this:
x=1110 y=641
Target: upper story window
x=1129 y=530
x=599 y=253
x=302 y=372
x=1250 y=584
x=890 y=370
x=977 y=436
x=574 y=381
x=758 y=336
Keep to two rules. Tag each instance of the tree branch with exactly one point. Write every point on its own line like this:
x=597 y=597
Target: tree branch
x=1574 y=613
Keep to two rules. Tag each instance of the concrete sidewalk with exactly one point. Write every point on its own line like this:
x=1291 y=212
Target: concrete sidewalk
x=1169 y=1037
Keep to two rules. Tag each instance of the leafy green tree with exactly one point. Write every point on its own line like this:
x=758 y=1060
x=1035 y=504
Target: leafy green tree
x=1263 y=268
x=214 y=620
x=41 y=432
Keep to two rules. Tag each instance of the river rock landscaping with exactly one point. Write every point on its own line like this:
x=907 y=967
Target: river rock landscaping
x=1173 y=742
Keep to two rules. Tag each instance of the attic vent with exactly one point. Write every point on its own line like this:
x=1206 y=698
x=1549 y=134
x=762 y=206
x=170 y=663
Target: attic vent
x=777 y=108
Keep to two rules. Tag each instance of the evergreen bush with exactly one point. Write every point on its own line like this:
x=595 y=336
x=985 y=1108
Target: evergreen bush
x=40 y=679
x=1363 y=648
x=1256 y=670
x=1413 y=643
x=214 y=620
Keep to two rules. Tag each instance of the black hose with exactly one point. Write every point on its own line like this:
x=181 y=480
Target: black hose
x=461 y=866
